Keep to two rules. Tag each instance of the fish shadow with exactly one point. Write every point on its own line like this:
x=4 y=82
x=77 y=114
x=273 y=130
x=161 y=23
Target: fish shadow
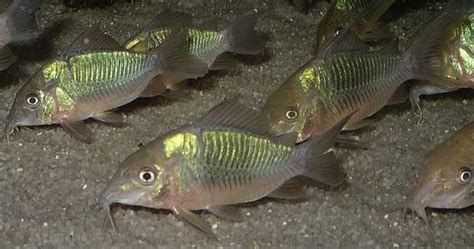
x=253 y=60
x=33 y=51
x=41 y=48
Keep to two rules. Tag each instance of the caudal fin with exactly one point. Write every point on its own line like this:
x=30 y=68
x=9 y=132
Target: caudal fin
x=424 y=59
x=242 y=38
x=319 y=160
x=21 y=20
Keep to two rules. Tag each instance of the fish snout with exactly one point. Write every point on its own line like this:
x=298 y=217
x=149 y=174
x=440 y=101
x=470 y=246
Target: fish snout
x=105 y=199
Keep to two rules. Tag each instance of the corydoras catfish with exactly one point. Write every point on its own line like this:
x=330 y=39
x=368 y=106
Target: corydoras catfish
x=360 y=16
x=446 y=177
x=347 y=77
x=17 y=24
x=456 y=56
x=222 y=159
x=207 y=45
x=93 y=77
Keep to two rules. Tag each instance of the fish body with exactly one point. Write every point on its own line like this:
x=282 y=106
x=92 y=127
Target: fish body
x=446 y=177
x=93 y=83
x=337 y=86
x=456 y=56
x=209 y=46
x=212 y=163
x=95 y=76
x=17 y=24
x=347 y=77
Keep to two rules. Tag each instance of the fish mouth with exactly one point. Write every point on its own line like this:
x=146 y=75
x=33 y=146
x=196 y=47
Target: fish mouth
x=106 y=199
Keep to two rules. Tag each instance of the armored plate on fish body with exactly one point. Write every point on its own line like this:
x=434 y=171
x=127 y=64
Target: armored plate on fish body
x=95 y=76
x=224 y=158
x=17 y=24
x=346 y=77
x=456 y=56
x=446 y=177
x=209 y=46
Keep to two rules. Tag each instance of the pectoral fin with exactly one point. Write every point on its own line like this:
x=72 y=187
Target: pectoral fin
x=347 y=142
x=110 y=117
x=359 y=125
x=228 y=212
x=79 y=130
x=194 y=220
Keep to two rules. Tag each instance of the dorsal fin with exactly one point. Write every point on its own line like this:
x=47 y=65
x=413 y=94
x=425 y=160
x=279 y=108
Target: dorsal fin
x=92 y=40
x=346 y=41
x=231 y=113
x=169 y=18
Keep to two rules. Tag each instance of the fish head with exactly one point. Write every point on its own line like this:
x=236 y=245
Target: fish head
x=140 y=180
x=445 y=180
x=33 y=105
x=287 y=111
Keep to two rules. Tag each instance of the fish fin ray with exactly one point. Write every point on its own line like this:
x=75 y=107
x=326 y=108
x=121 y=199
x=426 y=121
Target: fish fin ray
x=92 y=40
x=319 y=161
x=368 y=15
x=160 y=83
x=21 y=19
x=231 y=113
x=325 y=169
x=194 y=220
x=7 y=58
x=174 y=59
x=401 y=95
x=364 y=123
x=291 y=189
x=79 y=130
x=223 y=61
x=242 y=38
x=110 y=117
x=347 y=142
x=227 y=212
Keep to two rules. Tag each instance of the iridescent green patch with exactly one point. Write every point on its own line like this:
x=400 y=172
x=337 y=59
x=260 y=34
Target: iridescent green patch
x=54 y=70
x=181 y=143
x=307 y=78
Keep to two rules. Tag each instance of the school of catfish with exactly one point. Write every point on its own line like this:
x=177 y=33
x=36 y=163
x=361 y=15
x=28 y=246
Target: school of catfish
x=235 y=154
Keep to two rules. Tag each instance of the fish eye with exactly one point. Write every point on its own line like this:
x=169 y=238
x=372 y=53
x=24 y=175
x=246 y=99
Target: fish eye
x=291 y=113
x=465 y=175
x=32 y=100
x=146 y=176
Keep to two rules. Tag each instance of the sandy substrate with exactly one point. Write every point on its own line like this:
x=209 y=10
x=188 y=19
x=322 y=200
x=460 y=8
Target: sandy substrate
x=49 y=180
